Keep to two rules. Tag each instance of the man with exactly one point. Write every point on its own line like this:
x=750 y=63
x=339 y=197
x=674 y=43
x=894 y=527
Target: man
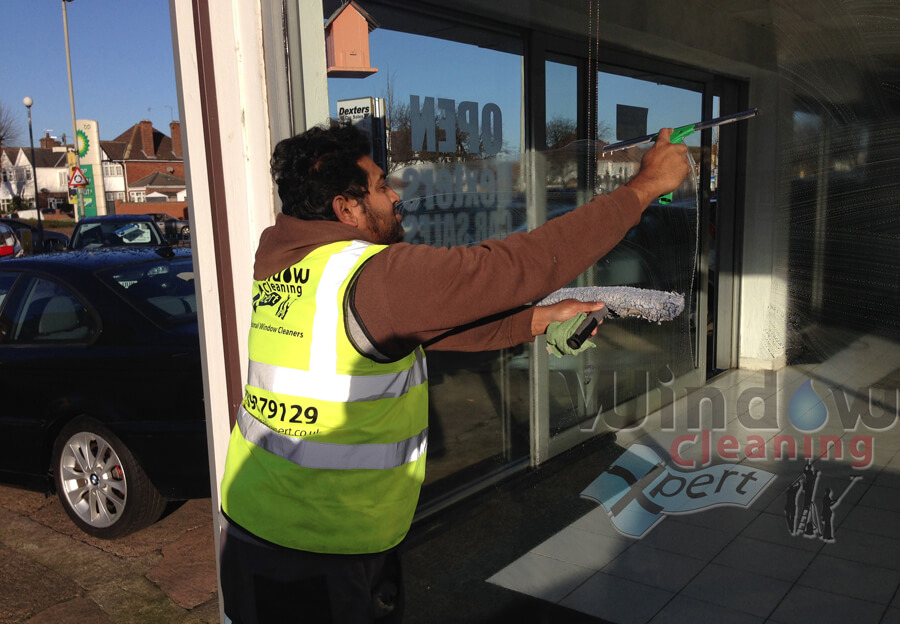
x=328 y=455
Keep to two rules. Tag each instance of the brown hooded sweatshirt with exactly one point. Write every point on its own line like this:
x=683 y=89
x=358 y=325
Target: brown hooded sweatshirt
x=460 y=298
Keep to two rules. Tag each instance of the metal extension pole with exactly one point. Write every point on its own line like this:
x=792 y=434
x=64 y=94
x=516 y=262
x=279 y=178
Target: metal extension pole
x=688 y=129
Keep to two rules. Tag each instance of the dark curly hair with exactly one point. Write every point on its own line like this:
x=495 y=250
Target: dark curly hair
x=314 y=167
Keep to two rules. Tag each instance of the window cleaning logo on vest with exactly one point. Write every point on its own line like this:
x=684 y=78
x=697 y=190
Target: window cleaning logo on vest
x=802 y=434
x=288 y=281
x=272 y=289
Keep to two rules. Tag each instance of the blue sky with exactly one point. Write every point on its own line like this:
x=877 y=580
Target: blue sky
x=464 y=72
x=438 y=69
x=122 y=64
x=123 y=71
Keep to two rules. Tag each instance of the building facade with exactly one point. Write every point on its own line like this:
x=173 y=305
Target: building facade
x=784 y=237
x=17 y=176
x=139 y=162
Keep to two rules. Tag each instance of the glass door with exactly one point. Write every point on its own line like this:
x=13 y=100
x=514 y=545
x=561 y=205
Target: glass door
x=452 y=131
x=636 y=363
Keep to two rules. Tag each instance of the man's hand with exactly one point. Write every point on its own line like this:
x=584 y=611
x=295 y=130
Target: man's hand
x=663 y=168
x=562 y=311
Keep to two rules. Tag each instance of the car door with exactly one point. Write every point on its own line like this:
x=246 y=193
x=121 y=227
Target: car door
x=45 y=329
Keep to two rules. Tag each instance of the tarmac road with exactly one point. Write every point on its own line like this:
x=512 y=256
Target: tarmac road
x=52 y=573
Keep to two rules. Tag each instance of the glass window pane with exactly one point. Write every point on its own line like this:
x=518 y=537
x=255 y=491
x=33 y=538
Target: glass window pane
x=51 y=313
x=452 y=136
x=562 y=107
x=659 y=254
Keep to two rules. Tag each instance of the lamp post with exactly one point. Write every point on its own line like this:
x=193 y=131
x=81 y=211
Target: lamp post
x=80 y=207
x=27 y=101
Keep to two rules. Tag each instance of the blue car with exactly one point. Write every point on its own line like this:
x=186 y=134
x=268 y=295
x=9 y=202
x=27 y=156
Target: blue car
x=102 y=383
x=116 y=231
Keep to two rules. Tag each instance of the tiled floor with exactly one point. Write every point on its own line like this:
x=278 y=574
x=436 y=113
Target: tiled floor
x=741 y=564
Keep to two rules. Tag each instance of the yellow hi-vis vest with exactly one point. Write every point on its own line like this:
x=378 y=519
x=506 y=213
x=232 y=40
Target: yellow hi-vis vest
x=328 y=452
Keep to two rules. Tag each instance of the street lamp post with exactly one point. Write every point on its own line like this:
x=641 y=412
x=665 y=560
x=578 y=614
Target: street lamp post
x=80 y=207
x=27 y=101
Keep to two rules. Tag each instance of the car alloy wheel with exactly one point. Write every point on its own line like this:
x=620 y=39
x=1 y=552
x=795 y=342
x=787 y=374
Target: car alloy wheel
x=101 y=485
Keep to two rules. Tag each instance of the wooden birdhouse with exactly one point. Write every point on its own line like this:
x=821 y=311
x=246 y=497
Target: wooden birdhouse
x=347 y=42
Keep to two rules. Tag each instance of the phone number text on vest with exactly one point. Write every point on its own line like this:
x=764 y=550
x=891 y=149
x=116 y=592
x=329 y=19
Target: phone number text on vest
x=281 y=412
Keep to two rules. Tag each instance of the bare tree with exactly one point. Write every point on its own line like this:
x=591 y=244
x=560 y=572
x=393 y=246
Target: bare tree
x=561 y=162
x=564 y=149
x=561 y=131
x=604 y=131
x=10 y=126
x=399 y=129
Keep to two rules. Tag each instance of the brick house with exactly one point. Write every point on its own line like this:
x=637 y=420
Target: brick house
x=143 y=161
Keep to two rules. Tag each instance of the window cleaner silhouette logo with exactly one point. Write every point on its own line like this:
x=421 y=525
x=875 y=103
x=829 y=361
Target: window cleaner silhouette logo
x=639 y=490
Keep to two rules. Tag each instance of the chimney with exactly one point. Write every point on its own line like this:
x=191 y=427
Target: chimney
x=147 y=138
x=175 y=129
x=49 y=142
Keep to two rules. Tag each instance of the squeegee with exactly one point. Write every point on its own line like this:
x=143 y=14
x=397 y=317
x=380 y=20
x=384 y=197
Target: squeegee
x=678 y=136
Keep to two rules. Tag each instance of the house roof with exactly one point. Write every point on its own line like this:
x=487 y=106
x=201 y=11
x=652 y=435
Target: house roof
x=49 y=158
x=44 y=157
x=11 y=153
x=157 y=180
x=127 y=146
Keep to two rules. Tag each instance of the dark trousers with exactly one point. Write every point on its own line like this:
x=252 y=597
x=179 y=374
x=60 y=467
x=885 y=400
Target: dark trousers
x=265 y=583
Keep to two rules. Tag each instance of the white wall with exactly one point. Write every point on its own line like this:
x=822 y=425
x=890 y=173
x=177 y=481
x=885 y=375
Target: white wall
x=241 y=114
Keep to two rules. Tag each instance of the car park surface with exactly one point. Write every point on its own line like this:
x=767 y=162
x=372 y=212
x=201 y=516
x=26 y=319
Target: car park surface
x=54 y=573
x=101 y=374
x=116 y=231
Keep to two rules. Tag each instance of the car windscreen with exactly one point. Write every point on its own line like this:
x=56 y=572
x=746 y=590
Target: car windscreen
x=115 y=234
x=163 y=289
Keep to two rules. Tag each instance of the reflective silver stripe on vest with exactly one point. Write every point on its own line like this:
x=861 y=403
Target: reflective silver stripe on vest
x=336 y=388
x=325 y=456
x=322 y=350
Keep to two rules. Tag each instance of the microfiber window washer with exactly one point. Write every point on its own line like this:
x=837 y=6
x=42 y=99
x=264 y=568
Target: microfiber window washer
x=619 y=301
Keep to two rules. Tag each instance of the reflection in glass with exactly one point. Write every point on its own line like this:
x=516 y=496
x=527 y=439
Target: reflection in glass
x=453 y=147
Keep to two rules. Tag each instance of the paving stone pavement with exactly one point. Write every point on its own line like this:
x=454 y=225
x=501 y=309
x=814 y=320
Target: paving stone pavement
x=52 y=573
